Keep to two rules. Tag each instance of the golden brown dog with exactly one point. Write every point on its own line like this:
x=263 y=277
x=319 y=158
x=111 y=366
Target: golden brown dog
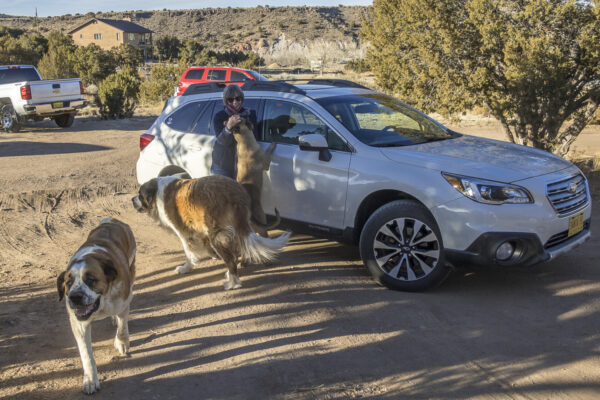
x=209 y=215
x=252 y=160
x=98 y=283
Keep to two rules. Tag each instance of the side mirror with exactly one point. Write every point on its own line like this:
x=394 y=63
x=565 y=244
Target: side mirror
x=315 y=142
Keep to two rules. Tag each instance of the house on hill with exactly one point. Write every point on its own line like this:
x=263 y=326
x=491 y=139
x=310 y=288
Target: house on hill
x=109 y=33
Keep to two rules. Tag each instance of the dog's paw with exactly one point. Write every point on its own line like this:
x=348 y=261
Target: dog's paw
x=232 y=282
x=122 y=346
x=183 y=269
x=90 y=385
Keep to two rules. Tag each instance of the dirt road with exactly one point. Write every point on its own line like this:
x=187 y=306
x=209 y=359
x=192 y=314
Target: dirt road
x=311 y=326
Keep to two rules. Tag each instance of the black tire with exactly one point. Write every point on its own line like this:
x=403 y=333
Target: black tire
x=64 y=120
x=9 y=121
x=398 y=256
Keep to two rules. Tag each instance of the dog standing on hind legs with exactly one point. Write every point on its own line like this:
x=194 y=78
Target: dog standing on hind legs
x=211 y=216
x=98 y=283
x=252 y=160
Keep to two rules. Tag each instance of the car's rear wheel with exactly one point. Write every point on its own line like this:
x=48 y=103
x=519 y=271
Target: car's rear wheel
x=9 y=121
x=402 y=246
x=64 y=120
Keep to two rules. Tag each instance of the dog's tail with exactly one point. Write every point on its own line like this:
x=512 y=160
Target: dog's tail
x=274 y=225
x=258 y=249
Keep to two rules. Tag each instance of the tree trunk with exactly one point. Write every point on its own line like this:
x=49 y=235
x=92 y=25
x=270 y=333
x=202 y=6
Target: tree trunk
x=566 y=138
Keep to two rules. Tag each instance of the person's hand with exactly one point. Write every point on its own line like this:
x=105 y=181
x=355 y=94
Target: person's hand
x=233 y=121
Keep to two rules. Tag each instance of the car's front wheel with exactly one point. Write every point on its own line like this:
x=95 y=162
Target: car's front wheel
x=402 y=246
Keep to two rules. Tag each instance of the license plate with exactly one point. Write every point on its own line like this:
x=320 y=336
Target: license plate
x=58 y=104
x=575 y=224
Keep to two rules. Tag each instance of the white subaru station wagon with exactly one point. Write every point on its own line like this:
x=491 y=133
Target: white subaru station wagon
x=361 y=167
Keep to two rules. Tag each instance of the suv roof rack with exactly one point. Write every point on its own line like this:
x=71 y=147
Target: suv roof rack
x=210 y=87
x=326 y=81
x=276 y=86
x=335 y=82
x=249 y=85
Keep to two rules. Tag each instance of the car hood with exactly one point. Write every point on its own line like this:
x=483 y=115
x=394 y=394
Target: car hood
x=479 y=157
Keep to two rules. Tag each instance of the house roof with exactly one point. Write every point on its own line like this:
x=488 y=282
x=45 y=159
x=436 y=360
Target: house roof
x=125 y=26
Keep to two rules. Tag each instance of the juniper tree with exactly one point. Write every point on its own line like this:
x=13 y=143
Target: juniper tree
x=534 y=64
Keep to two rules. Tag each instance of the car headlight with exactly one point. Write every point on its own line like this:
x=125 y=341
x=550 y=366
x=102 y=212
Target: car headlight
x=489 y=192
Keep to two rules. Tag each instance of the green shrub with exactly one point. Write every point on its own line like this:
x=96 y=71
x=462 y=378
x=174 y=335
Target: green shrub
x=358 y=65
x=160 y=86
x=117 y=94
x=92 y=64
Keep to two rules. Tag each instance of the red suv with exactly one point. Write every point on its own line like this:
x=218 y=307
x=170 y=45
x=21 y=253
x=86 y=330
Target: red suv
x=216 y=74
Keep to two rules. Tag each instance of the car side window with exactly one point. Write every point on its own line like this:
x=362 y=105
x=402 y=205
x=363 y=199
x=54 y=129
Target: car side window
x=237 y=76
x=202 y=123
x=216 y=75
x=183 y=118
x=285 y=122
x=194 y=74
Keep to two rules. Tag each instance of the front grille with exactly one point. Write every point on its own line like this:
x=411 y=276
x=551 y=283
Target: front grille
x=563 y=236
x=568 y=195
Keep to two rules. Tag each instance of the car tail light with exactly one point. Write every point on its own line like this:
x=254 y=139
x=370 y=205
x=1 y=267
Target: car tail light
x=145 y=140
x=26 y=92
x=81 y=89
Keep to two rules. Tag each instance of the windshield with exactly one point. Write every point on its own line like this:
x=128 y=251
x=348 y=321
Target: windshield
x=383 y=121
x=257 y=76
x=12 y=75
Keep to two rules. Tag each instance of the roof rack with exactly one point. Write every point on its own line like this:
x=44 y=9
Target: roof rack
x=210 y=87
x=248 y=86
x=335 y=82
x=276 y=86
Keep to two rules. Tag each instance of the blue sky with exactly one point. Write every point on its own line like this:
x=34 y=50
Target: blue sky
x=46 y=8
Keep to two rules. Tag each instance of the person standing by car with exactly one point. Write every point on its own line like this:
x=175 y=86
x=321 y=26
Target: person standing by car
x=224 y=151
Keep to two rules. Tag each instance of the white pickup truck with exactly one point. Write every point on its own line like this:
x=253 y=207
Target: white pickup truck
x=25 y=96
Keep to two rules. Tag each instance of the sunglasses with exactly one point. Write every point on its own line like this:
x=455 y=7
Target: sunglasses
x=232 y=99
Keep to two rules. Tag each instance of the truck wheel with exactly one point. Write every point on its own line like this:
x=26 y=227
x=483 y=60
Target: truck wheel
x=402 y=247
x=8 y=118
x=64 y=120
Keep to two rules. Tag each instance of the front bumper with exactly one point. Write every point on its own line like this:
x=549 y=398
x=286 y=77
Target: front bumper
x=529 y=250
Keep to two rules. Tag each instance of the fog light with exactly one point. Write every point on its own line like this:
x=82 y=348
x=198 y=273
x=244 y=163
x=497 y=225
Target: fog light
x=505 y=251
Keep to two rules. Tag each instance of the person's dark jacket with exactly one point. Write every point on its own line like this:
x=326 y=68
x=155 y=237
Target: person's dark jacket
x=224 y=151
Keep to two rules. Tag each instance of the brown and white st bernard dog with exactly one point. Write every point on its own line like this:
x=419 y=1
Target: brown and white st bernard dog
x=98 y=283
x=211 y=216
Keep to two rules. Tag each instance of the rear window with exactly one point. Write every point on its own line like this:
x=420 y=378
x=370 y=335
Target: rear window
x=216 y=75
x=194 y=74
x=13 y=75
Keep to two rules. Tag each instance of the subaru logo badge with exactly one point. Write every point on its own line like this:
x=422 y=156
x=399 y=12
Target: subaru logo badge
x=572 y=187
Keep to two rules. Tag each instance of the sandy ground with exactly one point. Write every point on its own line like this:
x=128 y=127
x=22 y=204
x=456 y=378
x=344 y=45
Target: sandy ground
x=311 y=326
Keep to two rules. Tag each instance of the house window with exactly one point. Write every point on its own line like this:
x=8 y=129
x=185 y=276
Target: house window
x=81 y=36
x=118 y=36
x=97 y=36
x=132 y=36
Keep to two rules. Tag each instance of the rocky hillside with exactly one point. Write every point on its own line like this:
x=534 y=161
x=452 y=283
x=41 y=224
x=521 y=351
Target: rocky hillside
x=225 y=28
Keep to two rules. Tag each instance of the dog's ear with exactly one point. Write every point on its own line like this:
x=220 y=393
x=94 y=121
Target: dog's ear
x=109 y=270
x=148 y=193
x=60 y=285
